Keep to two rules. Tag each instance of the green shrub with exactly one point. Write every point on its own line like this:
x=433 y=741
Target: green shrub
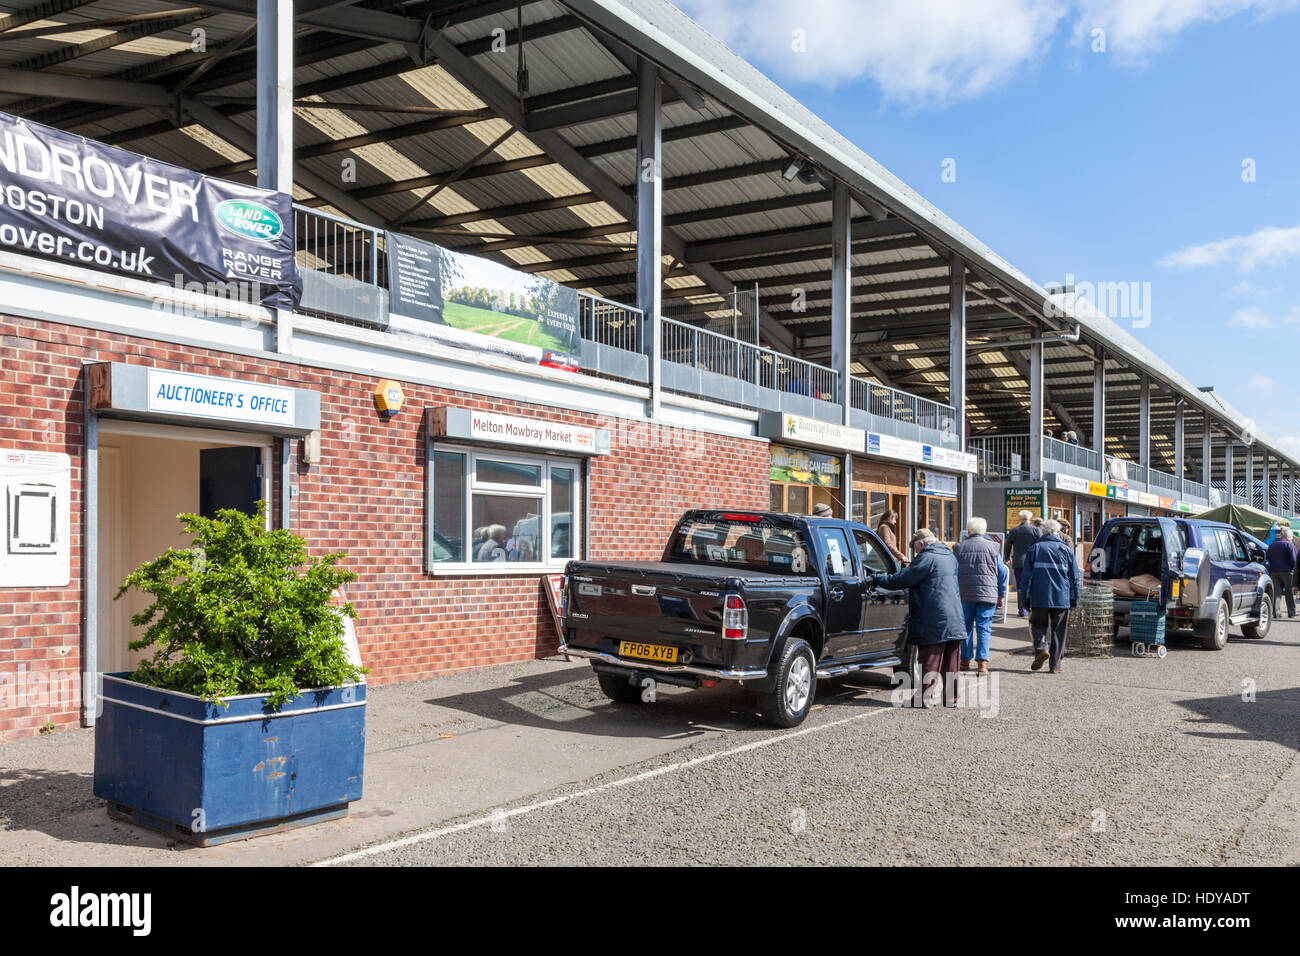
x=242 y=611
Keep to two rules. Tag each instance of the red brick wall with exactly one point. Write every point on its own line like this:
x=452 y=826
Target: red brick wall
x=366 y=498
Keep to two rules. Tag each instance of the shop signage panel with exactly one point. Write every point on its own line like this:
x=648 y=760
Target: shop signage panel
x=1032 y=499
x=473 y=303
x=800 y=430
x=1098 y=488
x=1072 y=484
x=891 y=447
x=1148 y=499
x=936 y=485
x=805 y=467
x=76 y=201
x=539 y=433
x=200 y=396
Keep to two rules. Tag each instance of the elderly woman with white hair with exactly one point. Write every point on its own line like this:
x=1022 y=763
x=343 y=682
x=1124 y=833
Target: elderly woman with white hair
x=1051 y=577
x=934 y=613
x=982 y=582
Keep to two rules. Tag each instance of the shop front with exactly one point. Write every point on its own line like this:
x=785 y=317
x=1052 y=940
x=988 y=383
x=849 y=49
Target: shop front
x=934 y=489
x=807 y=458
x=878 y=487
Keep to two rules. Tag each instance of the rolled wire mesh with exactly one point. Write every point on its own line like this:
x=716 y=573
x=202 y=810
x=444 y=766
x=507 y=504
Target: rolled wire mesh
x=1091 y=630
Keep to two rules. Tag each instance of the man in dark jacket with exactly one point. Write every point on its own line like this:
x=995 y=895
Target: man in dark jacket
x=1282 y=569
x=934 y=613
x=1019 y=540
x=1051 y=577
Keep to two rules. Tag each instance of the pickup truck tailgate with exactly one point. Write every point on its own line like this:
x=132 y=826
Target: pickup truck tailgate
x=653 y=602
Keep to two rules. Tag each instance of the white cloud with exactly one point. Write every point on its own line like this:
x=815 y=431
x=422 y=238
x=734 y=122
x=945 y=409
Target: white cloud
x=1270 y=246
x=1137 y=28
x=1258 y=319
x=1289 y=444
x=1262 y=383
x=916 y=50
x=936 y=51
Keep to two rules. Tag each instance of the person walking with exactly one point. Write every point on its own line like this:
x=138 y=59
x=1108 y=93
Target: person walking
x=1281 y=560
x=1051 y=578
x=934 y=613
x=887 y=528
x=1019 y=540
x=982 y=582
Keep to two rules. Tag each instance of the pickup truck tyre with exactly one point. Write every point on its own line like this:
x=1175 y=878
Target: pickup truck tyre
x=1265 y=620
x=910 y=669
x=791 y=696
x=619 y=689
x=1215 y=636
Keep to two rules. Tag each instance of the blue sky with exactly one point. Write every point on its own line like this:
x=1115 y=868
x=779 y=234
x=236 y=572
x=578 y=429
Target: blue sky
x=1115 y=165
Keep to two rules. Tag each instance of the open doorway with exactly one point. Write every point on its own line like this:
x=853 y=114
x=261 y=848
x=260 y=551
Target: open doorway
x=149 y=474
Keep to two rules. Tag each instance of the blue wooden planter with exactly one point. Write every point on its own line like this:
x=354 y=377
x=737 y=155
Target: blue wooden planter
x=208 y=774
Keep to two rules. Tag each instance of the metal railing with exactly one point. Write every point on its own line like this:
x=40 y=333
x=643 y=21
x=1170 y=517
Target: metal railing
x=610 y=323
x=1195 y=489
x=1162 y=479
x=1071 y=454
x=891 y=403
x=1001 y=457
x=338 y=246
x=1136 y=473
x=722 y=355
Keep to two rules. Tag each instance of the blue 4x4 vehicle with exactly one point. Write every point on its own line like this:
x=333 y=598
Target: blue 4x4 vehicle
x=1211 y=576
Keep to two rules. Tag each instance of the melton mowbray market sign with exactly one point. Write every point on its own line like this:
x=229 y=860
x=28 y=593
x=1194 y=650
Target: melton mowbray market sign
x=70 y=199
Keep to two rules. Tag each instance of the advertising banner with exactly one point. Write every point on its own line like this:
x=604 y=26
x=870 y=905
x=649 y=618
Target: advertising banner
x=70 y=199
x=804 y=467
x=474 y=303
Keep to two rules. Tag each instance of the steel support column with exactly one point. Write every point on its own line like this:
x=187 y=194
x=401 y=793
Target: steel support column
x=1180 y=435
x=275 y=119
x=842 y=293
x=1037 y=352
x=1207 y=442
x=957 y=376
x=1144 y=421
x=1267 y=482
x=1229 y=472
x=649 y=217
x=1099 y=411
x=1250 y=476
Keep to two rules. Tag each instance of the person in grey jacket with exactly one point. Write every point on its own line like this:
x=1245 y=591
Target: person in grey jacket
x=982 y=580
x=934 y=613
x=1019 y=540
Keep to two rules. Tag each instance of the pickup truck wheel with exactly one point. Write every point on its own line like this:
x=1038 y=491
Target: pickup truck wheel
x=910 y=670
x=791 y=696
x=1265 y=620
x=1215 y=638
x=619 y=689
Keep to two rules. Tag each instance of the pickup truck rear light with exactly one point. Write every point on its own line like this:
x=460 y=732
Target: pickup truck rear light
x=735 y=618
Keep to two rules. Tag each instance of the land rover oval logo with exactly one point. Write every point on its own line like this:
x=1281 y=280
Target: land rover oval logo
x=249 y=219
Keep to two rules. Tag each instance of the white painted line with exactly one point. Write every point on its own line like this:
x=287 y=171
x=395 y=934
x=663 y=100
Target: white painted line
x=499 y=815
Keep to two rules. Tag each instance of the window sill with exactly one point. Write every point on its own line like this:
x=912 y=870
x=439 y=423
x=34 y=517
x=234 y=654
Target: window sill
x=503 y=569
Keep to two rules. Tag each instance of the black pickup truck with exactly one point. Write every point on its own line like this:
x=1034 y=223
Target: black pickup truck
x=773 y=601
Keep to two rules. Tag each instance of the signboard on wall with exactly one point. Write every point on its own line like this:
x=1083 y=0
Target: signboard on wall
x=805 y=467
x=201 y=396
x=936 y=485
x=36 y=493
x=800 y=430
x=539 y=433
x=473 y=303
x=1032 y=499
x=76 y=201
x=889 y=446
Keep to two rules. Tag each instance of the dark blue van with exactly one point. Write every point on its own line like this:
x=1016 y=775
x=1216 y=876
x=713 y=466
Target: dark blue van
x=1211 y=576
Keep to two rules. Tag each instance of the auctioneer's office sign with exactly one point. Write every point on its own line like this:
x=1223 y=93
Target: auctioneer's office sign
x=71 y=199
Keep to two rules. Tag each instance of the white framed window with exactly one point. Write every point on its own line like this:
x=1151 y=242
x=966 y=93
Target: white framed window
x=495 y=511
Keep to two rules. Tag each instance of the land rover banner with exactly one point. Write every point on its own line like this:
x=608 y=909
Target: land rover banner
x=67 y=198
x=474 y=303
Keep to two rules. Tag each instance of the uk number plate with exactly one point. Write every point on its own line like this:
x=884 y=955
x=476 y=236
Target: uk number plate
x=648 y=652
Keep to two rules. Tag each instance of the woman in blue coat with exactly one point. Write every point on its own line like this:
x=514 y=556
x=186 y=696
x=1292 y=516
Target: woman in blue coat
x=936 y=622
